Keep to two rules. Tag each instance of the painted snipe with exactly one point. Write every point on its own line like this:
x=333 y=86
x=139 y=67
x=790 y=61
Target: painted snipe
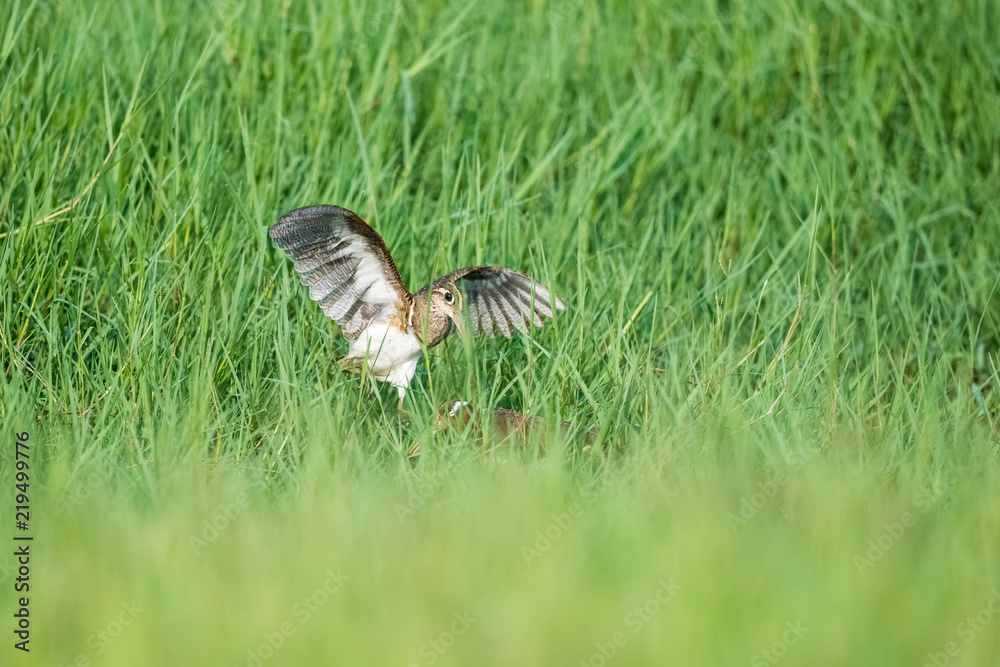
x=350 y=273
x=503 y=423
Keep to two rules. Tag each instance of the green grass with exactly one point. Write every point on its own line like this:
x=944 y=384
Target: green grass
x=775 y=225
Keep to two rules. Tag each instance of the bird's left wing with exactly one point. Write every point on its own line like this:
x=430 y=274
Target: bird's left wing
x=498 y=298
x=345 y=264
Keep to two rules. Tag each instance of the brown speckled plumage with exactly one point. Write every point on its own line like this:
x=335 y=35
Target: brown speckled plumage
x=502 y=423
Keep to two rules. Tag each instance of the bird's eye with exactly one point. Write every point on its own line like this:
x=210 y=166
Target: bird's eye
x=447 y=297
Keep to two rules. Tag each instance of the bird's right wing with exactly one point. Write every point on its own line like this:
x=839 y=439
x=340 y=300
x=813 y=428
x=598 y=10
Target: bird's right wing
x=345 y=264
x=498 y=298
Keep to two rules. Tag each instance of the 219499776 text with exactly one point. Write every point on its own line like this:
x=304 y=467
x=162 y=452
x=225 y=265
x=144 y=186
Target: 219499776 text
x=22 y=546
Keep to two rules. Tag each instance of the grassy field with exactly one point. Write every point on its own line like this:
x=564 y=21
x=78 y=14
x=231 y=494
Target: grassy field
x=777 y=231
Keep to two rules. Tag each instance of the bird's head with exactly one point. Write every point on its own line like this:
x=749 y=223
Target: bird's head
x=437 y=309
x=453 y=413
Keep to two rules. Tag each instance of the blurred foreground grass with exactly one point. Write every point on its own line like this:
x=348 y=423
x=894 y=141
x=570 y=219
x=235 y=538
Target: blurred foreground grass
x=547 y=571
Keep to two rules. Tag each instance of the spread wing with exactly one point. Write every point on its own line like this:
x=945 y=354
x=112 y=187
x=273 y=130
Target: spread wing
x=499 y=298
x=345 y=264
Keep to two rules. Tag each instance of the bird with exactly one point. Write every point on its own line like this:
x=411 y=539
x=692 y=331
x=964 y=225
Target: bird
x=351 y=275
x=502 y=423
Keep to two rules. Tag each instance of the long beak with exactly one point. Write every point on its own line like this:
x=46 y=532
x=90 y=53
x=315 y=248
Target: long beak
x=459 y=321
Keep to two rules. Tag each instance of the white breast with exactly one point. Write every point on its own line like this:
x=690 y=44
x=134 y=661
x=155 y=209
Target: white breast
x=392 y=354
